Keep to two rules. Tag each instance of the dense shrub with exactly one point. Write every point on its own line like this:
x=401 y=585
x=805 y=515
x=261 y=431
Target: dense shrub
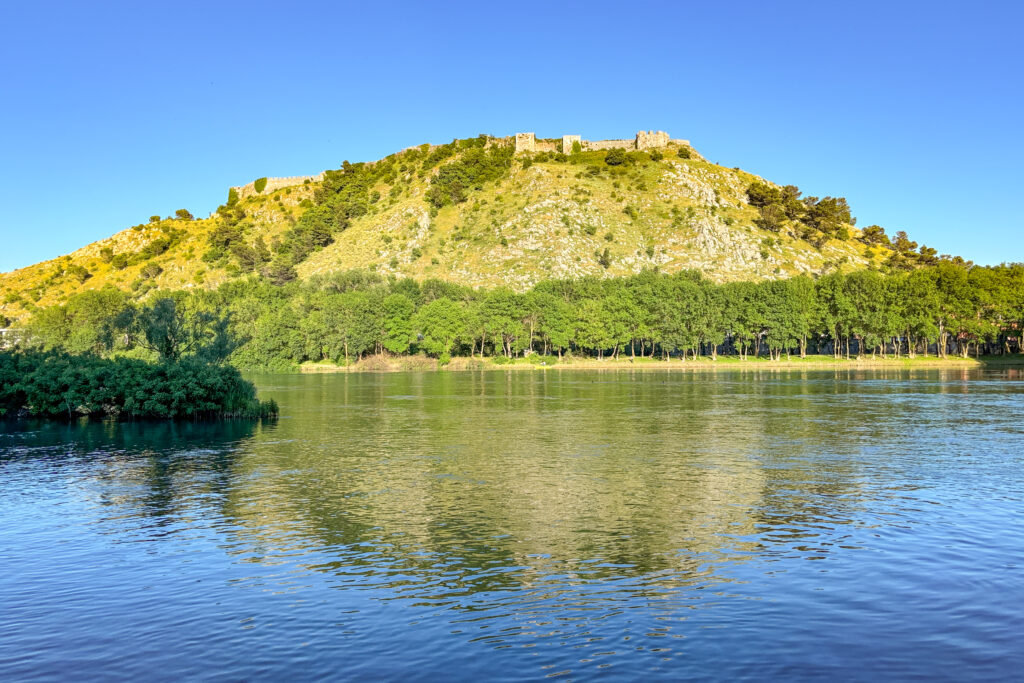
x=615 y=157
x=469 y=172
x=259 y=185
x=53 y=384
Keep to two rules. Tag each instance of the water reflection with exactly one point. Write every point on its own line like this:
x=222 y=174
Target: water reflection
x=588 y=515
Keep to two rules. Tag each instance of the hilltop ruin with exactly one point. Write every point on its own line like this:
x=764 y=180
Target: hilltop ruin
x=645 y=139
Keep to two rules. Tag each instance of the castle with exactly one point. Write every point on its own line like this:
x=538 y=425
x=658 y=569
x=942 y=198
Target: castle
x=249 y=189
x=525 y=142
x=645 y=139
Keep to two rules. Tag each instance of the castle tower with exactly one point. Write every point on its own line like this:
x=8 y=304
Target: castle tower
x=651 y=139
x=567 y=141
x=526 y=142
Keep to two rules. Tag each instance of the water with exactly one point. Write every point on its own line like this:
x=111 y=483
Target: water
x=522 y=525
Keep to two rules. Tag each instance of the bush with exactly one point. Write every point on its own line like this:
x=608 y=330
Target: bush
x=184 y=215
x=151 y=270
x=684 y=153
x=615 y=157
x=78 y=273
x=60 y=385
x=259 y=185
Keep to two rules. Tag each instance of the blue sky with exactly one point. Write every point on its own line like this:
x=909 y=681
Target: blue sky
x=113 y=112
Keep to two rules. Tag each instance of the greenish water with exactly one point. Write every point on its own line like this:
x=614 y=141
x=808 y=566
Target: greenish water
x=806 y=524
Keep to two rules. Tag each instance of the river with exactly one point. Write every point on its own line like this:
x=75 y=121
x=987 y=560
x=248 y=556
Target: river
x=521 y=525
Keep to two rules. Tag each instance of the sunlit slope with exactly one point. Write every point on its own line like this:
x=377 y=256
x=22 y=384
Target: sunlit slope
x=546 y=216
x=556 y=220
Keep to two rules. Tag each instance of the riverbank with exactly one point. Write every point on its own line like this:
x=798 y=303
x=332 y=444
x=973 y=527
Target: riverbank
x=425 y=364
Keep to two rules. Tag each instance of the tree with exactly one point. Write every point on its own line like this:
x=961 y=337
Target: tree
x=184 y=215
x=502 y=318
x=592 y=323
x=762 y=194
x=172 y=328
x=440 y=323
x=875 y=234
x=398 y=331
x=554 y=323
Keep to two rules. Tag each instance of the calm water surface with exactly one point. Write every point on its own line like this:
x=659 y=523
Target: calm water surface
x=523 y=525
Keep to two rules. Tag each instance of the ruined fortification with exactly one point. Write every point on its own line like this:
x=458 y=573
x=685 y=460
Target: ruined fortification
x=645 y=139
x=276 y=184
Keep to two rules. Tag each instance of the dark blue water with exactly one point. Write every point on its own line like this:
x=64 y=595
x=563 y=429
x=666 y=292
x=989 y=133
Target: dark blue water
x=803 y=525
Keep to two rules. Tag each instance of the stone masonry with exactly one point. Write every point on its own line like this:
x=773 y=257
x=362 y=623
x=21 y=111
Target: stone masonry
x=645 y=139
x=249 y=189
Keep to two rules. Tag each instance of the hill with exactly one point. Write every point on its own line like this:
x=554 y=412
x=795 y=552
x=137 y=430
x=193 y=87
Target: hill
x=480 y=212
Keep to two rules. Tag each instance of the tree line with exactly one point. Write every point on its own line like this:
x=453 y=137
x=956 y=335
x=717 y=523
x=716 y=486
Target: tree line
x=945 y=308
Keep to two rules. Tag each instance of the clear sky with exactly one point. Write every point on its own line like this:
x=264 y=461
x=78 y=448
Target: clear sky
x=111 y=112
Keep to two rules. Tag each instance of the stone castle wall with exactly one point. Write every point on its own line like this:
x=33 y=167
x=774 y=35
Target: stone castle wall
x=249 y=189
x=645 y=139
x=595 y=145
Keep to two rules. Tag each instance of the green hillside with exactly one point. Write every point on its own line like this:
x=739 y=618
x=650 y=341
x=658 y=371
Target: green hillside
x=476 y=213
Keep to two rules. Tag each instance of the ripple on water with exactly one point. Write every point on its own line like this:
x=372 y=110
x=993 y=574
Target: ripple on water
x=520 y=525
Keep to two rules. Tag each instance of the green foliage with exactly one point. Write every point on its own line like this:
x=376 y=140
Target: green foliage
x=259 y=185
x=615 y=157
x=469 y=172
x=184 y=215
x=343 y=317
x=78 y=273
x=398 y=326
x=60 y=385
x=761 y=194
x=684 y=152
x=151 y=270
x=875 y=234
x=439 y=324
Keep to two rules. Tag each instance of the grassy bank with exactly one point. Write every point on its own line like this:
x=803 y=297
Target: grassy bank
x=423 y=363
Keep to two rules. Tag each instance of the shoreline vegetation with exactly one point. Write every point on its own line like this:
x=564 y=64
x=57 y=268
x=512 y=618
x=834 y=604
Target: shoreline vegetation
x=61 y=385
x=357 y=318
x=723 y=363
